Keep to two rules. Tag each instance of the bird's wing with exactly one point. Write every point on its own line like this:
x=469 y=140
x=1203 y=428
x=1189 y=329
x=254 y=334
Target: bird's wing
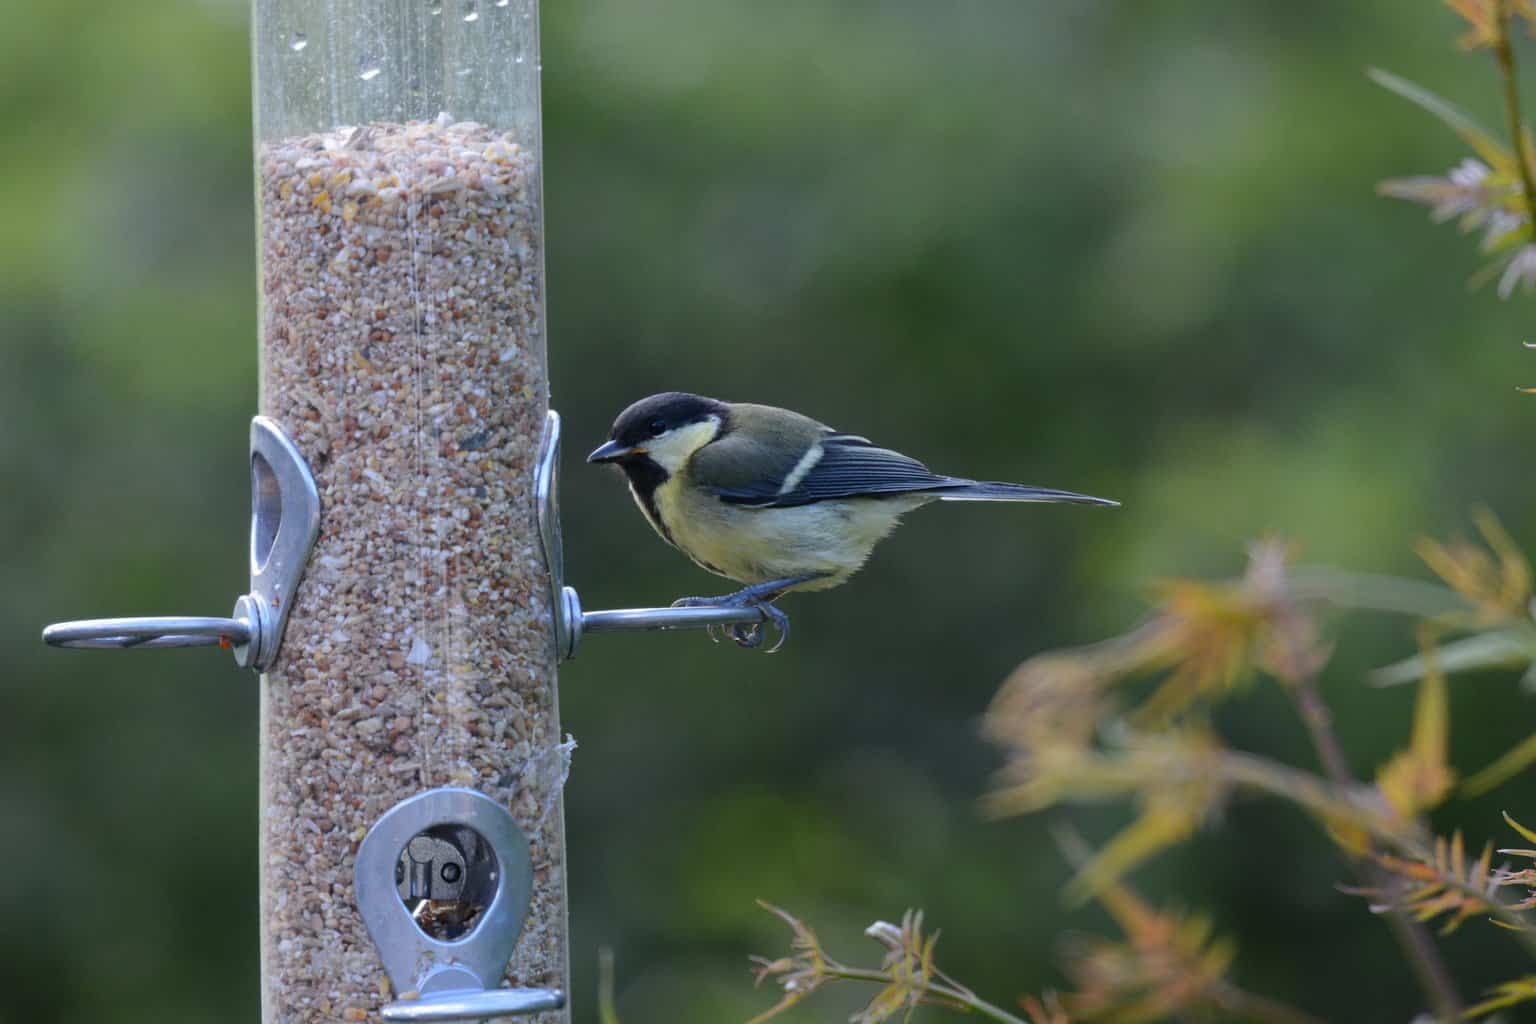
x=756 y=452
x=837 y=466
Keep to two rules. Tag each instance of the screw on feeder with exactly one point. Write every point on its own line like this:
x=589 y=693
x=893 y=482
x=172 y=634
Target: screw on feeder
x=570 y=621
x=434 y=862
x=285 y=520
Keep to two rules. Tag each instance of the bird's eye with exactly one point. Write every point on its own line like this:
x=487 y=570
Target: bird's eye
x=657 y=427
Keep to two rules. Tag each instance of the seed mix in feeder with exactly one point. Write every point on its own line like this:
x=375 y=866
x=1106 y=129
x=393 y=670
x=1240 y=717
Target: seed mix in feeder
x=403 y=350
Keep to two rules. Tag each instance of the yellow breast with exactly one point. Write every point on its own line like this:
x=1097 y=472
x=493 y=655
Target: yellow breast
x=830 y=539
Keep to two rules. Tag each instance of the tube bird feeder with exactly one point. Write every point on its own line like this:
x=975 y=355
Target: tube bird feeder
x=407 y=605
x=402 y=349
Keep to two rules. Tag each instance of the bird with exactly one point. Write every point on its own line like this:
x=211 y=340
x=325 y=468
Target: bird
x=773 y=499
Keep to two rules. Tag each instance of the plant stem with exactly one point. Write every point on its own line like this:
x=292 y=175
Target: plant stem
x=1504 y=54
x=962 y=997
x=1324 y=799
x=1319 y=723
x=1301 y=683
x=1423 y=955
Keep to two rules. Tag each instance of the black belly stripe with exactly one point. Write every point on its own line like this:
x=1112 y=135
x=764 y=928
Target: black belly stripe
x=647 y=500
x=644 y=477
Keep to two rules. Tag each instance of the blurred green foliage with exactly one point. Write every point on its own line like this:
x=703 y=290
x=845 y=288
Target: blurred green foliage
x=1130 y=249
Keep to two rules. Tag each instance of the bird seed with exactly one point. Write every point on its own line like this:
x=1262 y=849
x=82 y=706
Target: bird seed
x=402 y=344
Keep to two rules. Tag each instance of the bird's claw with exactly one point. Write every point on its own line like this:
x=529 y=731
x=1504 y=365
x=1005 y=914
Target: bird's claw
x=752 y=636
x=747 y=635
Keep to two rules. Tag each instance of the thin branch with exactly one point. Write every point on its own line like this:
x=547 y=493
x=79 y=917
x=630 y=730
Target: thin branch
x=1329 y=802
x=1423 y=955
x=1319 y=722
x=1504 y=54
x=1412 y=934
x=958 y=996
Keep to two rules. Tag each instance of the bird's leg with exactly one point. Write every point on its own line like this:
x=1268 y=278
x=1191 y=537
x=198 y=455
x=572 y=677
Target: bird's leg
x=760 y=596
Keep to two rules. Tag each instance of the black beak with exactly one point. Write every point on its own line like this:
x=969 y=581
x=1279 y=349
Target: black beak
x=613 y=451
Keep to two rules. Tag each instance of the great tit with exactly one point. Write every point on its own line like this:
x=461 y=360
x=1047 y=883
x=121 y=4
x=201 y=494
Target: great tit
x=773 y=499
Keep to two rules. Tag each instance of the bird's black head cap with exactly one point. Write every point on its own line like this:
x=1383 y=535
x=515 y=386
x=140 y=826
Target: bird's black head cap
x=651 y=417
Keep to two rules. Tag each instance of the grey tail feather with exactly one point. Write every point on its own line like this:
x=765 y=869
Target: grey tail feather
x=984 y=490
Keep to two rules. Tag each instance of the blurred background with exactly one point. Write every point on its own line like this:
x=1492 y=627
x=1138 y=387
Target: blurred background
x=1129 y=249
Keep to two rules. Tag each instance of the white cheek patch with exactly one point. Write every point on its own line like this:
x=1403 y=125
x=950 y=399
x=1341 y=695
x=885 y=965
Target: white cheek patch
x=672 y=449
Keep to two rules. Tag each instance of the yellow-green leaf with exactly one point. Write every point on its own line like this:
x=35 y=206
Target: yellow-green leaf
x=1509 y=993
x=1505 y=768
x=1162 y=824
x=1525 y=833
x=1420 y=777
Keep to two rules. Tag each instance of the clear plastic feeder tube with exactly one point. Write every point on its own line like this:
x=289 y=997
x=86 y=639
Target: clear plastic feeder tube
x=402 y=348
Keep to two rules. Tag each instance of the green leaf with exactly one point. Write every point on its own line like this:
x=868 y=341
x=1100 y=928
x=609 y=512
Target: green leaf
x=1504 y=648
x=1509 y=993
x=1162 y=824
x=606 y=1013
x=1525 y=833
x=1419 y=778
x=1372 y=592
x=1484 y=143
x=1505 y=768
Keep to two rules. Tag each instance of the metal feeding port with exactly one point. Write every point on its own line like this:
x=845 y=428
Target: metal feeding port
x=446 y=877
x=443 y=883
x=570 y=621
x=285 y=520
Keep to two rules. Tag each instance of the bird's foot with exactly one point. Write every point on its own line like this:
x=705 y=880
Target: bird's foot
x=760 y=597
x=701 y=602
x=745 y=634
x=751 y=635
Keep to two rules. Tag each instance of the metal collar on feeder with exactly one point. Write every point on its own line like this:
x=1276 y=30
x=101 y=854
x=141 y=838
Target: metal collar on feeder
x=285 y=520
x=570 y=621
